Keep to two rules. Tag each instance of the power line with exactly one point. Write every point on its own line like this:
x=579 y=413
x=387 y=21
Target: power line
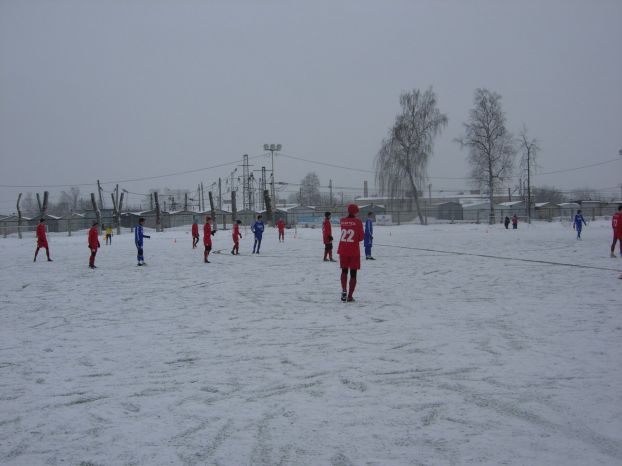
x=145 y=178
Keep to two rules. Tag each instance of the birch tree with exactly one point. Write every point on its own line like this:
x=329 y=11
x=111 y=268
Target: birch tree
x=402 y=161
x=491 y=146
x=529 y=148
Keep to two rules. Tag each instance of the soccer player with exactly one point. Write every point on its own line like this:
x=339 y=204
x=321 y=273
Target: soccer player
x=514 y=222
x=138 y=240
x=108 y=234
x=369 y=236
x=257 y=229
x=195 y=234
x=42 y=241
x=349 y=250
x=93 y=241
x=579 y=221
x=207 y=237
x=616 y=224
x=327 y=236
x=280 y=224
x=236 y=237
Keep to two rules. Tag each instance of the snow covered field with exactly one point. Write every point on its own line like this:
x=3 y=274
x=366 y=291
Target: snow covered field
x=448 y=357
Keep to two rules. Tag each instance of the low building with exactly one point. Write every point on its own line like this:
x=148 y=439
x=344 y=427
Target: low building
x=447 y=211
x=546 y=211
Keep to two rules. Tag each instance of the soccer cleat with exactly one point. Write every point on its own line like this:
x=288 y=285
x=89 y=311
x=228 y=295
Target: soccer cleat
x=344 y=296
x=350 y=299
x=49 y=260
x=613 y=255
x=371 y=258
x=139 y=264
x=332 y=260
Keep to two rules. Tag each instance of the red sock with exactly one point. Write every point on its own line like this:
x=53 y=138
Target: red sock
x=344 y=280
x=352 y=286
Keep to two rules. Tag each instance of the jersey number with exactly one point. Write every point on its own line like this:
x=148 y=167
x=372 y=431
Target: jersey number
x=347 y=236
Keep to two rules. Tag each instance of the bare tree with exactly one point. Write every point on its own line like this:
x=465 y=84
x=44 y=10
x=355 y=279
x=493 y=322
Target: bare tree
x=401 y=163
x=491 y=146
x=530 y=149
x=310 y=189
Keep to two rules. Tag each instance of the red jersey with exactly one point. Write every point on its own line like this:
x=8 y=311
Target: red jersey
x=93 y=238
x=351 y=235
x=236 y=233
x=195 y=230
x=327 y=231
x=280 y=225
x=616 y=224
x=42 y=241
x=207 y=234
x=41 y=232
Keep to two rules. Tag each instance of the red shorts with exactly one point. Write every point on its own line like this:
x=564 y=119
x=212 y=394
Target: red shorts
x=350 y=262
x=617 y=236
x=42 y=243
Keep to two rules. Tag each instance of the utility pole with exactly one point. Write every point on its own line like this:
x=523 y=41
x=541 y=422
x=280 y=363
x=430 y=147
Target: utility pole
x=202 y=198
x=101 y=200
x=246 y=196
x=330 y=193
x=220 y=191
x=263 y=187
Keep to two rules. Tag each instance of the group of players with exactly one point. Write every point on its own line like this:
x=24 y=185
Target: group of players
x=351 y=235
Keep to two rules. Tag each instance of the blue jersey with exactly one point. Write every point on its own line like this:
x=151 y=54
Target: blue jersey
x=258 y=228
x=369 y=229
x=138 y=235
x=578 y=220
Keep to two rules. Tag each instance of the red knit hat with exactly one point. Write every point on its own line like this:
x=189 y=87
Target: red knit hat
x=353 y=209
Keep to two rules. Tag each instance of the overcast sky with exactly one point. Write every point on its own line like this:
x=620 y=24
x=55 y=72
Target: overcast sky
x=117 y=90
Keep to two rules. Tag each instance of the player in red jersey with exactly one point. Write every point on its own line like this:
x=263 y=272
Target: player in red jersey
x=93 y=243
x=195 y=234
x=280 y=224
x=349 y=251
x=616 y=224
x=236 y=237
x=42 y=241
x=207 y=237
x=327 y=236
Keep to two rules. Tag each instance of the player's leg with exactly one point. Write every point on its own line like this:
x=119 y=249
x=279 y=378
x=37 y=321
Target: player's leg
x=344 y=284
x=352 y=284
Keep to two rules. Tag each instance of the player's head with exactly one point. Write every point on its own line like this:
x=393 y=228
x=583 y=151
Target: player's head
x=620 y=208
x=208 y=219
x=239 y=222
x=259 y=217
x=95 y=223
x=327 y=214
x=353 y=209
x=41 y=220
x=369 y=214
x=141 y=220
x=579 y=211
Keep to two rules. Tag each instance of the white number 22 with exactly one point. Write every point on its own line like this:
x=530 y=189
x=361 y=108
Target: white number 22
x=347 y=236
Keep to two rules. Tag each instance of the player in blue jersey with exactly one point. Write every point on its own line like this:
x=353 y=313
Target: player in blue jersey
x=579 y=221
x=257 y=228
x=369 y=236
x=138 y=240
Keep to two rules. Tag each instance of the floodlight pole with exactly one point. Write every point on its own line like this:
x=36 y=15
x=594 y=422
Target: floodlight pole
x=272 y=148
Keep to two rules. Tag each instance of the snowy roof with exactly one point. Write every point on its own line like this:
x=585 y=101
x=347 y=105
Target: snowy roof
x=569 y=204
x=371 y=205
x=542 y=204
x=510 y=203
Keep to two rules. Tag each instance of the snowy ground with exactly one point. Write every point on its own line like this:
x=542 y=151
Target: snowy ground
x=447 y=358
